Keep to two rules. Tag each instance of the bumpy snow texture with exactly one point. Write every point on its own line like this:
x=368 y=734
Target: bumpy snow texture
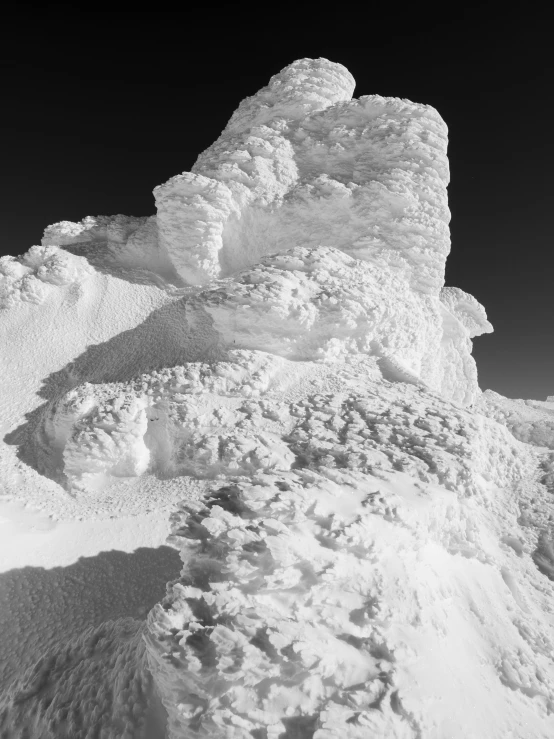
x=373 y=556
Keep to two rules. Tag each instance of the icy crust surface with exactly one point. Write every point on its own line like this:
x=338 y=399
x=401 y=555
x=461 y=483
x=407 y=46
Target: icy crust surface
x=99 y=678
x=319 y=303
x=301 y=163
x=31 y=278
x=380 y=583
x=305 y=86
x=361 y=555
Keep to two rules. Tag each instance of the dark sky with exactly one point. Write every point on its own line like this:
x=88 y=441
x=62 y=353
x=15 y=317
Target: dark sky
x=99 y=108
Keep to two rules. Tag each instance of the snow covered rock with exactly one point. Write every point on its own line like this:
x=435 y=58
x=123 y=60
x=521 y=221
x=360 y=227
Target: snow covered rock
x=363 y=555
x=531 y=421
x=302 y=167
x=301 y=163
x=317 y=302
x=207 y=419
x=105 y=438
x=467 y=309
x=31 y=277
x=188 y=420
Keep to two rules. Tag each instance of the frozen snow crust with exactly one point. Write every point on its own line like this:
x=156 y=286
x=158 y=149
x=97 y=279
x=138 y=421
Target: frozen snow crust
x=366 y=538
x=31 y=278
x=314 y=304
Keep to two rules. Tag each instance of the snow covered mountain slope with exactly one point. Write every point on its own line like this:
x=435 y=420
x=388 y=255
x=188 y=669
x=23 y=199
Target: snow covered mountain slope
x=272 y=366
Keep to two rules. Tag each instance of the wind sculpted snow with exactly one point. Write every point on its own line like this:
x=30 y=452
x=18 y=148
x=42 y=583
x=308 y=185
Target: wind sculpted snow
x=366 y=538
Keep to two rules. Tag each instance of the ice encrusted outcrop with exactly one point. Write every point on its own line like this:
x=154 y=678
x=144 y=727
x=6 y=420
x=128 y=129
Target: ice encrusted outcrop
x=117 y=229
x=302 y=165
x=301 y=162
x=373 y=554
x=303 y=304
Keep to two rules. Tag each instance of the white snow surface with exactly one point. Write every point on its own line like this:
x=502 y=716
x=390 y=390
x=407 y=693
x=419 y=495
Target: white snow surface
x=271 y=373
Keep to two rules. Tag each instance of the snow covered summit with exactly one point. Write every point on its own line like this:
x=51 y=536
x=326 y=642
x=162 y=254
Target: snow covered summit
x=302 y=164
x=363 y=553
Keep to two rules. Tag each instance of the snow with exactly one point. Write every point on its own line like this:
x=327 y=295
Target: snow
x=368 y=586
x=262 y=402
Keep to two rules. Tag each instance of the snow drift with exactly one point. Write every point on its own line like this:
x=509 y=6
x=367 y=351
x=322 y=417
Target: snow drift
x=370 y=549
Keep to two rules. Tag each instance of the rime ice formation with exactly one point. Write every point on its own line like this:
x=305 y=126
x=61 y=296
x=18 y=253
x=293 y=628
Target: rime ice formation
x=32 y=277
x=366 y=538
x=303 y=163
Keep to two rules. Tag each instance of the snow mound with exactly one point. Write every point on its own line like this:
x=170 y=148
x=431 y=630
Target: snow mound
x=305 y=86
x=58 y=698
x=362 y=554
x=301 y=163
x=184 y=420
x=467 y=309
x=118 y=243
x=31 y=277
x=228 y=417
